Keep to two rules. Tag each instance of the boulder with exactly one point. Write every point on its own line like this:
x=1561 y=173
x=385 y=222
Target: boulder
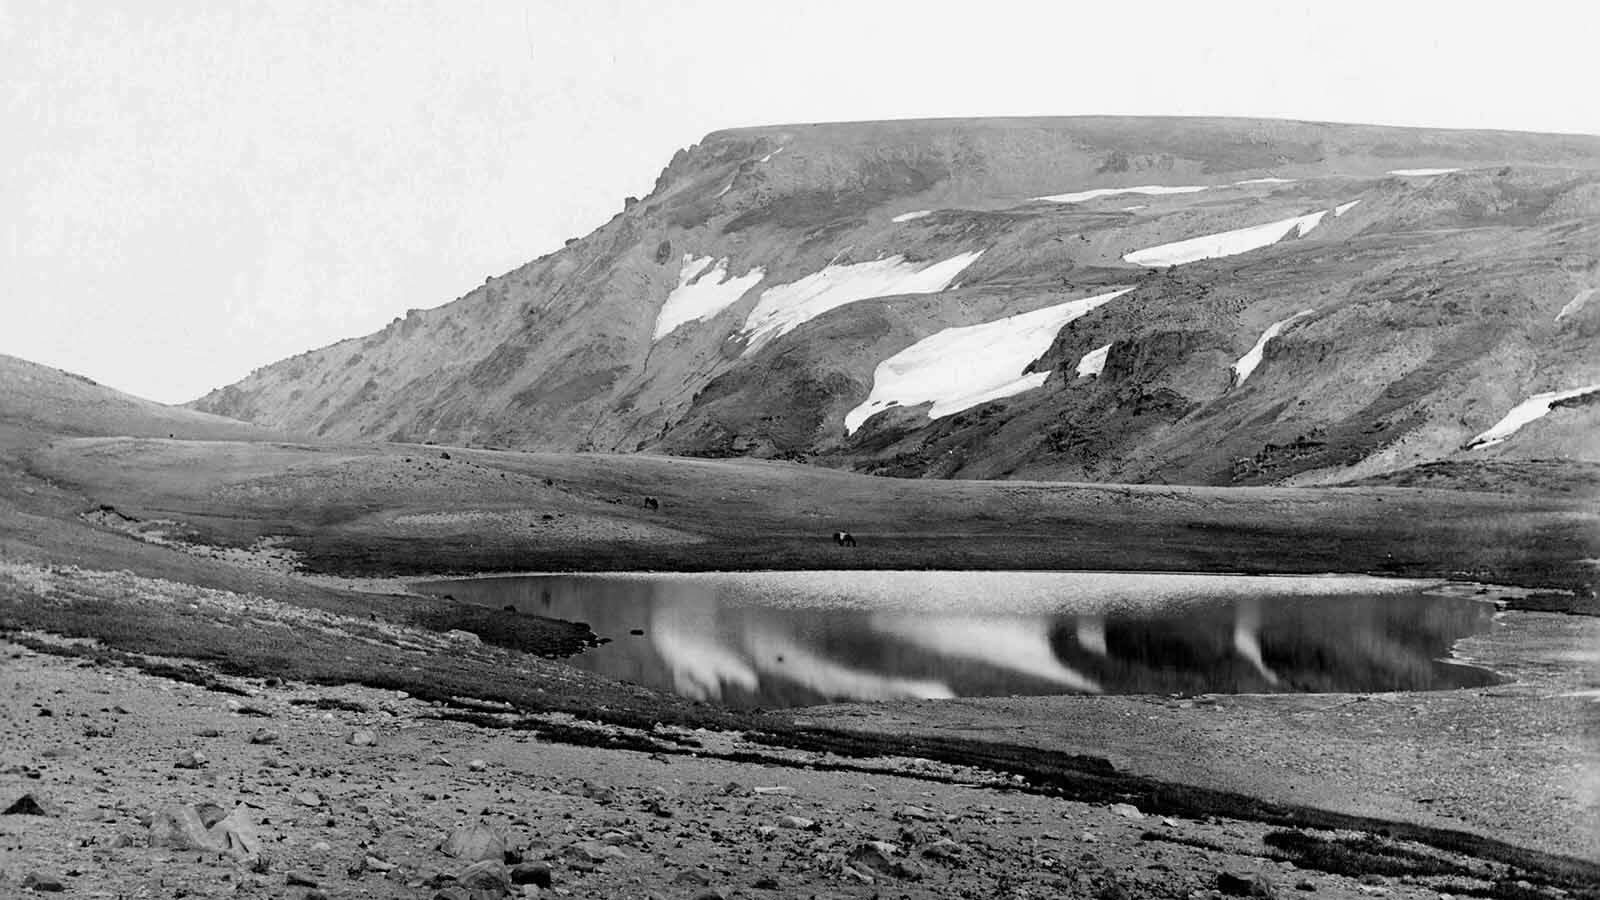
x=32 y=804
x=362 y=738
x=1245 y=884
x=37 y=881
x=476 y=842
x=486 y=878
x=182 y=827
x=531 y=873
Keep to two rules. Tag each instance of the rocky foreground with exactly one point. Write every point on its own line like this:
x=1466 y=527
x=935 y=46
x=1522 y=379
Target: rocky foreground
x=121 y=784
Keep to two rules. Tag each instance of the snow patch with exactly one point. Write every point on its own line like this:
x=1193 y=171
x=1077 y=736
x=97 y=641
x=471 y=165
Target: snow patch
x=959 y=368
x=785 y=307
x=1343 y=208
x=769 y=156
x=1093 y=362
x=1529 y=410
x=725 y=188
x=1136 y=206
x=1420 y=173
x=1226 y=243
x=906 y=217
x=1248 y=362
x=701 y=294
x=1266 y=181
x=1147 y=189
x=1575 y=304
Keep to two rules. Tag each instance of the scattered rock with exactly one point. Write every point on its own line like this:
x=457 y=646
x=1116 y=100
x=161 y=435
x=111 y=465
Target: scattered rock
x=878 y=858
x=476 y=842
x=31 y=804
x=190 y=759
x=593 y=852
x=182 y=828
x=531 y=873
x=1245 y=884
x=49 y=884
x=693 y=877
x=477 y=765
x=1127 y=811
x=308 y=798
x=944 y=850
x=486 y=878
x=264 y=736
x=362 y=738
x=295 y=879
x=798 y=822
x=458 y=636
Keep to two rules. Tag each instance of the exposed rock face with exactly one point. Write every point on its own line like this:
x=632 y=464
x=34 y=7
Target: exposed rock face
x=747 y=305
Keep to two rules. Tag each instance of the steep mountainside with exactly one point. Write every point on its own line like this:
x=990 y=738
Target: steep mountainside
x=1190 y=300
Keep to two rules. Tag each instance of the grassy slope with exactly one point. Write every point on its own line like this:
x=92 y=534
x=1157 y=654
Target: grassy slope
x=350 y=509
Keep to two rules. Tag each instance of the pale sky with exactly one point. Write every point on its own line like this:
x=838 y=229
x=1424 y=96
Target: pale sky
x=190 y=190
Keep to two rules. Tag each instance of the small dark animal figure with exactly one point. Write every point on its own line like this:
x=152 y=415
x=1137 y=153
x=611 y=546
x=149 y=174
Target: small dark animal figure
x=508 y=608
x=844 y=539
x=652 y=503
x=444 y=454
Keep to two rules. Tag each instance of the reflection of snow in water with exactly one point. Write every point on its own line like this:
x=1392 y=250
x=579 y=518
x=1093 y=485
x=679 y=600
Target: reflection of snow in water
x=781 y=655
x=1018 y=645
x=1091 y=634
x=1247 y=636
x=684 y=635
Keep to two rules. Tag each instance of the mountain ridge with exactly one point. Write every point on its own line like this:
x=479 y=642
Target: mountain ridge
x=792 y=262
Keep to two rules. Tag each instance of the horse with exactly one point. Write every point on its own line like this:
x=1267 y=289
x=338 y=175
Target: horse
x=844 y=539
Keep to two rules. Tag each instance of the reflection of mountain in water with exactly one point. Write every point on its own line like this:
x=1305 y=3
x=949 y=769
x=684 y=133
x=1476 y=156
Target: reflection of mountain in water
x=703 y=640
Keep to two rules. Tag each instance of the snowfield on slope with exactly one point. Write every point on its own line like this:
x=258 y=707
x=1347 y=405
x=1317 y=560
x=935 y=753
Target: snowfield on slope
x=1575 y=304
x=1529 y=410
x=701 y=294
x=786 y=307
x=1146 y=189
x=1419 y=173
x=908 y=216
x=959 y=368
x=1248 y=362
x=1093 y=362
x=1226 y=243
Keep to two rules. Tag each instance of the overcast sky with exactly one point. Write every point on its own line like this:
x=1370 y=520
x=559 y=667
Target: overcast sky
x=191 y=190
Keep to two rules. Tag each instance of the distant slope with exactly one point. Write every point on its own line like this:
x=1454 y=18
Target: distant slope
x=38 y=402
x=1303 y=302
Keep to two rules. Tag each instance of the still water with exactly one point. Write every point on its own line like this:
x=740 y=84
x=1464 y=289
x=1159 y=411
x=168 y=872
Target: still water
x=797 y=638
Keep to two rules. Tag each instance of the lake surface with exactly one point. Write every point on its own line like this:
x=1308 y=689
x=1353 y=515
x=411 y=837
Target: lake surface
x=798 y=638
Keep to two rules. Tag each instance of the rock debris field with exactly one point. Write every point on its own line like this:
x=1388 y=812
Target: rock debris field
x=120 y=784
